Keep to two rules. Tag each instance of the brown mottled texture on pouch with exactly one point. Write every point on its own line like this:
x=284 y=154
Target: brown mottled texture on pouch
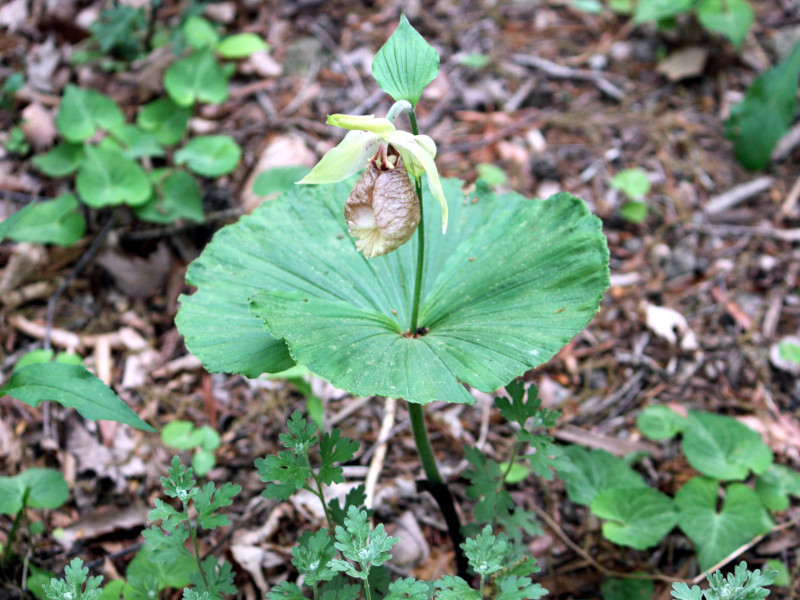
x=382 y=210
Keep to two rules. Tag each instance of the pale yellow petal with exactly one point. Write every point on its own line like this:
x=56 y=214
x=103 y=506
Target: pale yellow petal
x=344 y=160
x=382 y=127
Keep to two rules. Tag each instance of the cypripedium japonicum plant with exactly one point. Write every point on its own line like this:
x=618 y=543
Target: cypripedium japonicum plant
x=382 y=211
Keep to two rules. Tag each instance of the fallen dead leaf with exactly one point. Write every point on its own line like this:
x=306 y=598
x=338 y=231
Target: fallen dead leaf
x=684 y=63
x=39 y=126
x=669 y=324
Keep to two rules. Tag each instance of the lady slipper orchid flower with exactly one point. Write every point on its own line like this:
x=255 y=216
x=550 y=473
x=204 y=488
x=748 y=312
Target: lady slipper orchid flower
x=370 y=143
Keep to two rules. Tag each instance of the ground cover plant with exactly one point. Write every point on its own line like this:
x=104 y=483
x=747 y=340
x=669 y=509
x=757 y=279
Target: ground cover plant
x=655 y=446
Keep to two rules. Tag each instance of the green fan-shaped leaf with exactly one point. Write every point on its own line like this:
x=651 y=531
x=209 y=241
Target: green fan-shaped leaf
x=210 y=155
x=55 y=221
x=731 y=18
x=718 y=533
x=660 y=422
x=196 y=77
x=108 y=178
x=511 y=283
x=721 y=447
x=776 y=484
x=61 y=161
x=71 y=386
x=165 y=120
x=638 y=518
x=82 y=111
x=46 y=489
x=596 y=471
x=405 y=64
x=176 y=196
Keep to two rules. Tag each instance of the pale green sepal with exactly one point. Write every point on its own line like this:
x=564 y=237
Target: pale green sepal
x=344 y=160
x=383 y=127
x=418 y=153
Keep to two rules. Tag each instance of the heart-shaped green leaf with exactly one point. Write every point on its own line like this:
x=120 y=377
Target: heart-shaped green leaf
x=82 y=111
x=718 y=533
x=200 y=33
x=405 y=64
x=596 y=471
x=176 y=196
x=639 y=518
x=55 y=221
x=660 y=422
x=731 y=18
x=165 y=120
x=196 y=77
x=136 y=142
x=511 y=283
x=722 y=448
x=46 y=489
x=240 y=45
x=71 y=386
x=108 y=177
x=210 y=155
x=61 y=161
x=776 y=484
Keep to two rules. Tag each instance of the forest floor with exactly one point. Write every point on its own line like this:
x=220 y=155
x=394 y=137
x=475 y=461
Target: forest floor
x=560 y=100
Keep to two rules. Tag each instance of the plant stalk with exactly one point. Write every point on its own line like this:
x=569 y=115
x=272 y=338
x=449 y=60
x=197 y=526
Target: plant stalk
x=435 y=483
x=193 y=533
x=12 y=534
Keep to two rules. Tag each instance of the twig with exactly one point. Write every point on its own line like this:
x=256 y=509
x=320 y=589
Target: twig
x=561 y=72
x=376 y=464
x=787 y=235
x=737 y=195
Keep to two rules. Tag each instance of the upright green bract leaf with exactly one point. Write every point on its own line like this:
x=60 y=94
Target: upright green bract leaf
x=55 y=221
x=165 y=120
x=196 y=77
x=108 y=178
x=638 y=517
x=718 y=533
x=721 y=447
x=210 y=155
x=405 y=64
x=71 y=386
x=731 y=18
x=764 y=116
x=82 y=111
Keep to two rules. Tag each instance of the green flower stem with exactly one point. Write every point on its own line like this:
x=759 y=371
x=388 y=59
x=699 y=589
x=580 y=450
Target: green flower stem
x=435 y=484
x=318 y=493
x=193 y=533
x=12 y=534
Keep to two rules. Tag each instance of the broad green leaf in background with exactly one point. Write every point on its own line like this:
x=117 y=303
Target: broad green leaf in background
x=199 y=33
x=71 y=386
x=731 y=18
x=757 y=123
x=655 y=10
x=405 y=64
x=210 y=155
x=174 y=575
x=60 y=161
x=634 y=183
x=137 y=142
x=278 y=180
x=639 y=517
x=660 y=422
x=240 y=45
x=491 y=174
x=8 y=224
x=718 y=533
x=176 y=195
x=41 y=356
x=784 y=577
x=719 y=446
x=197 y=77
x=627 y=589
x=596 y=471
x=593 y=7
x=57 y=221
x=511 y=283
x=108 y=178
x=203 y=461
x=634 y=211
x=776 y=484
x=177 y=434
x=789 y=351
x=82 y=111
x=46 y=489
x=165 y=120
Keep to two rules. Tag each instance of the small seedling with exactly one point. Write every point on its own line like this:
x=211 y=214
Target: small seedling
x=635 y=184
x=183 y=435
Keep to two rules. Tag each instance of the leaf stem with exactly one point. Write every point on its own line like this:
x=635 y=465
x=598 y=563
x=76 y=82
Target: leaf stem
x=412 y=117
x=193 y=533
x=12 y=534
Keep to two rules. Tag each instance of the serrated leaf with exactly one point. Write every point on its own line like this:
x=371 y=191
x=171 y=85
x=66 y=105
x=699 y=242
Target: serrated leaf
x=519 y=588
x=55 y=221
x=82 y=111
x=516 y=409
x=639 y=518
x=333 y=448
x=776 y=484
x=108 y=178
x=757 y=123
x=285 y=591
x=718 y=533
x=731 y=18
x=355 y=497
x=74 y=387
x=288 y=469
x=485 y=486
x=407 y=587
x=405 y=64
x=210 y=155
x=451 y=587
x=486 y=553
x=241 y=45
x=165 y=120
x=60 y=161
x=210 y=500
x=594 y=472
x=721 y=447
x=311 y=556
x=197 y=77
x=660 y=422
